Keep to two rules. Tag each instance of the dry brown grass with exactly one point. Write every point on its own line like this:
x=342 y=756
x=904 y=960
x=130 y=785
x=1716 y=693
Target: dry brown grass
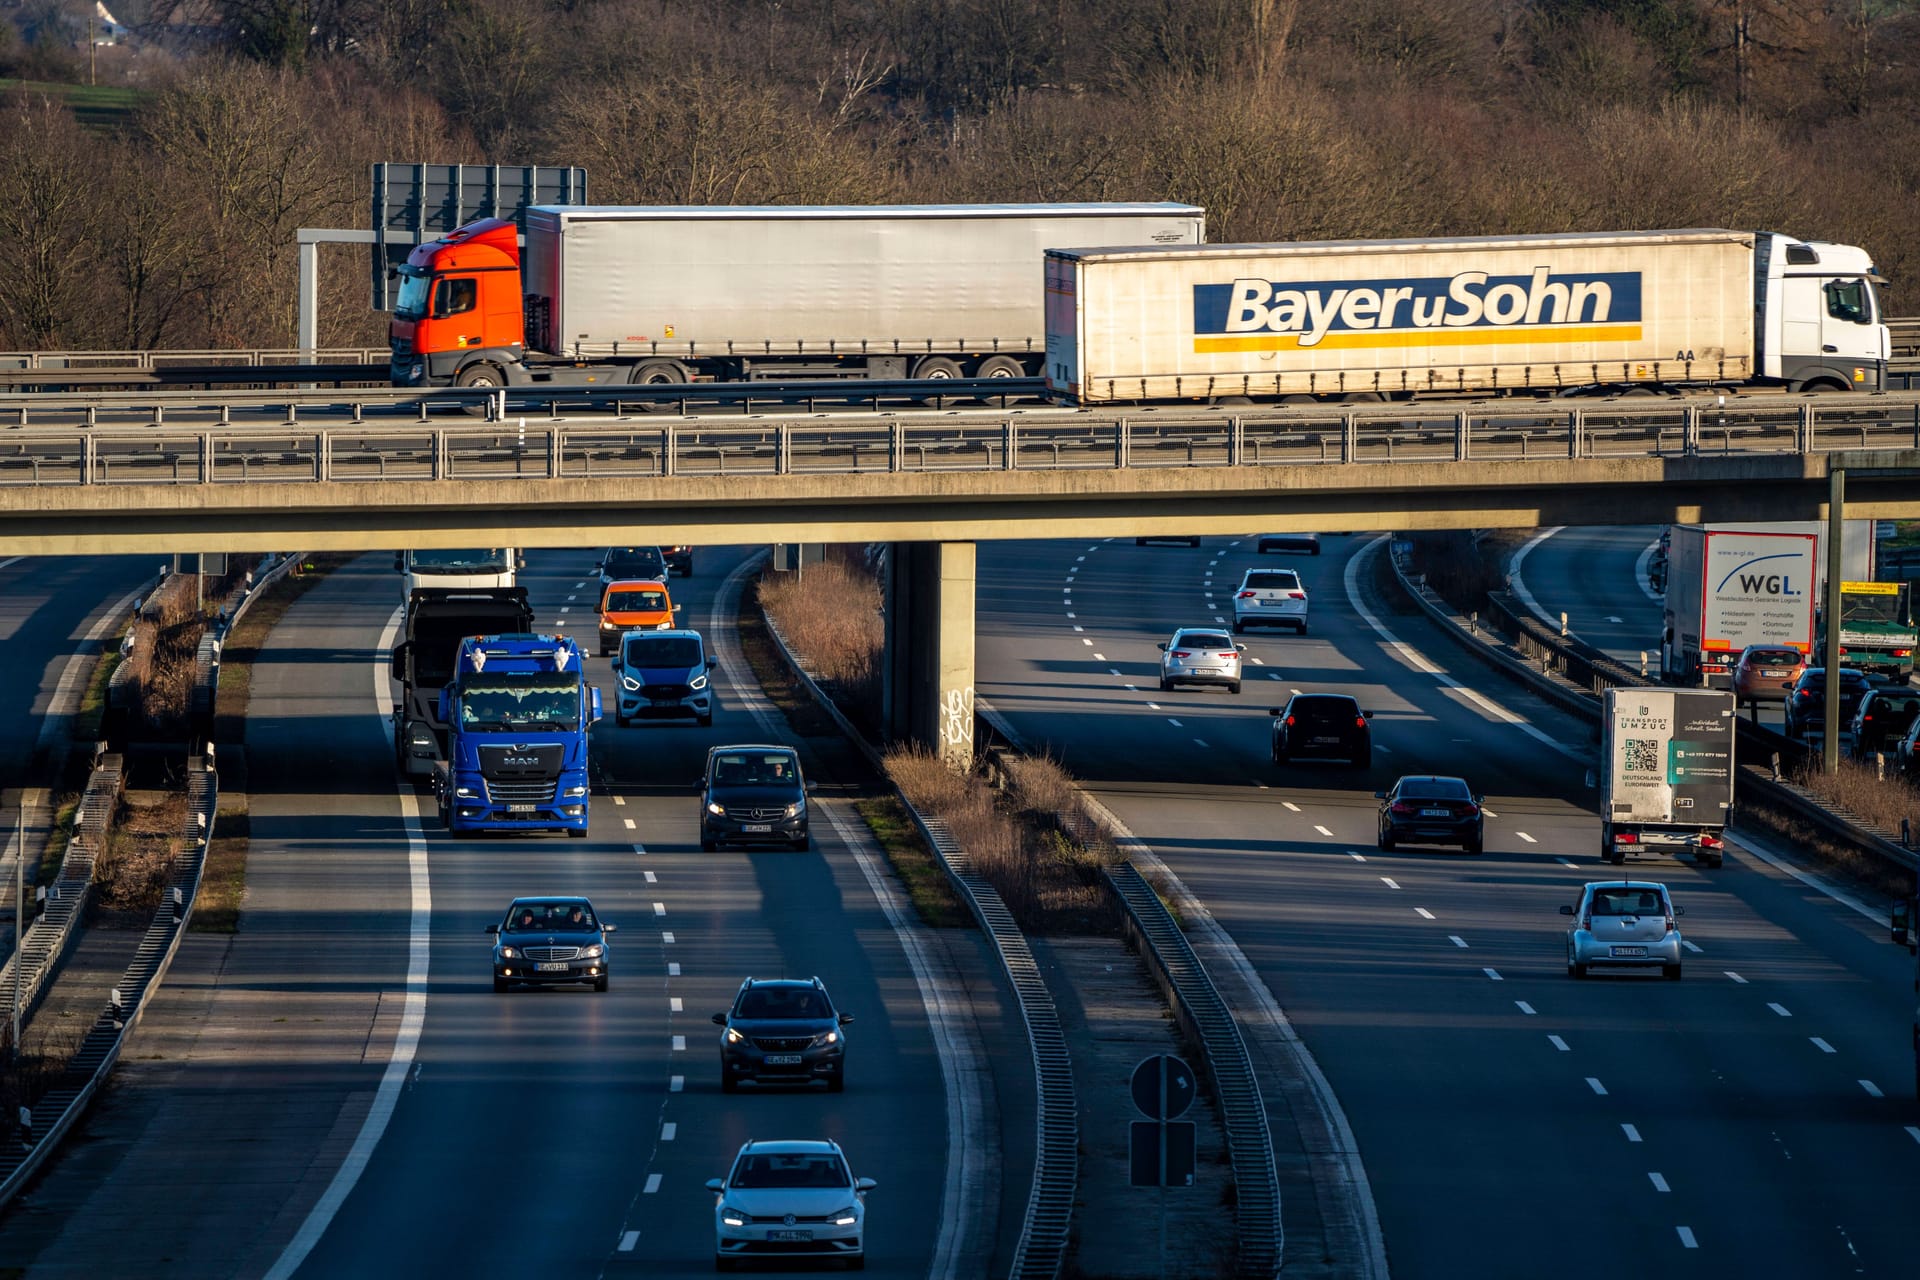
x=1870 y=800
x=165 y=640
x=47 y=1046
x=131 y=874
x=830 y=616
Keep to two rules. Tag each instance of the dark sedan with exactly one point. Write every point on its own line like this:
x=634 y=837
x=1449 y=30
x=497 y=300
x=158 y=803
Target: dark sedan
x=1806 y=707
x=753 y=795
x=1428 y=809
x=1883 y=719
x=783 y=1032
x=550 y=940
x=1322 y=726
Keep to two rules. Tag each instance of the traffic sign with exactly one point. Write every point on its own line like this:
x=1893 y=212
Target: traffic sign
x=1161 y=1153
x=1163 y=1087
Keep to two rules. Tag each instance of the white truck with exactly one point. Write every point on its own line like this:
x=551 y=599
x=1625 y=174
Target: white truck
x=1666 y=773
x=1478 y=316
x=643 y=295
x=1732 y=585
x=457 y=569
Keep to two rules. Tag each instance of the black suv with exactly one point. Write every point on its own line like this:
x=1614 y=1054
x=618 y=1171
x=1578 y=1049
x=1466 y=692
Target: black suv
x=1882 y=720
x=1806 y=708
x=1322 y=726
x=753 y=795
x=782 y=1032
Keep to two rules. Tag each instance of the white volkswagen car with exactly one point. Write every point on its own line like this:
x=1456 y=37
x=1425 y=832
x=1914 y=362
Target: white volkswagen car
x=1623 y=924
x=789 y=1200
x=1271 y=597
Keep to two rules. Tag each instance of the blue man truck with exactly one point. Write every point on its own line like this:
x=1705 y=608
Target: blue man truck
x=518 y=711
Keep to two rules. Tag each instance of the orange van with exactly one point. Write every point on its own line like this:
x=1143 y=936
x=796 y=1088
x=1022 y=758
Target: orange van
x=632 y=604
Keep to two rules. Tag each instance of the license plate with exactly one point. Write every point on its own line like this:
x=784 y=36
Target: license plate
x=1629 y=951
x=758 y=828
x=783 y=1059
x=1434 y=813
x=521 y=808
x=790 y=1235
x=1776 y=675
x=1327 y=741
x=560 y=967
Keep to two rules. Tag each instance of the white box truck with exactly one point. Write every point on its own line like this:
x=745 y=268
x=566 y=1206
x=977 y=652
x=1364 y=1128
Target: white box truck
x=1666 y=773
x=1732 y=585
x=662 y=294
x=1400 y=319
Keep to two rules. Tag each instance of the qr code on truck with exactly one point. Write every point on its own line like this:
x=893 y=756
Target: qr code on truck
x=1643 y=755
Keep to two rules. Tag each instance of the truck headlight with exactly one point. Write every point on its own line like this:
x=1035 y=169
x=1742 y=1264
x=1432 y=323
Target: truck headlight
x=465 y=793
x=576 y=791
x=423 y=740
x=698 y=682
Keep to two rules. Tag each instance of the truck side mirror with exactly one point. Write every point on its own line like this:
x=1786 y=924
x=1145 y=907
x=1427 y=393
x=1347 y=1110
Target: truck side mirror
x=595 y=690
x=397 y=661
x=1903 y=923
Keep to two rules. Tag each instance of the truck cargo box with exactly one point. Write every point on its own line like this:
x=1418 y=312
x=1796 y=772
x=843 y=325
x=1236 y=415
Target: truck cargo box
x=1668 y=756
x=774 y=280
x=1400 y=317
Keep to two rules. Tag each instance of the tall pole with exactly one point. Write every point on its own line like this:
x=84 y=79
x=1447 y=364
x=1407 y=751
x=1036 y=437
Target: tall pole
x=1836 y=501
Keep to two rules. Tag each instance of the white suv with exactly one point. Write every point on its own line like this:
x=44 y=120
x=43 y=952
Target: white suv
x=790 y=1199
x=1275 y=596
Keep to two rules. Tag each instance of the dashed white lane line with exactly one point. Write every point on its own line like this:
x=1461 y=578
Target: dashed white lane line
x=673 y=970
x=619 y=801
x=628 y=1239
x=1086 y=642
x=1524 y=836
x=1388 y=881
x=1525 y=1008
x=676 y=1084
x=630 y=823
x=1201 y=742
x=1659 y=1183
x=1494 y=974
x=564 y=608
x=1275 y=675
x=1593 y=1083
x=1457 y=941
x=1077 y=627
x=1873 y=1090
x=1423 y=913
x=1113 y=671
x=1218 y=618
x=1074 y=615
x=578 y=585
x=1633 y=1134
x=1175 y=723
x=1490 y=813
x=1322 y=830
x=651 y=878
x=653 y=1184
x=667 y=1130
x=666 y=939
x=659 y=908
x=679 y=1044
x=640 y=849
x=1383 y=748
x=1559 y=1044
x=1133 y=688
x=1291 y=806
x=1736 y=977
x=1913 y=1131
x=1153 y=706
x=1258 y=662
x=1356 y=856
x=1611 y=618
x=1293 y=691
x=1079 y=559
x=1691 y=946
x=675 y=1004
x=1822 y=1045
x=1686 y=1238
x=1567 y=862
x=1779 y=1009
x=1099 y=657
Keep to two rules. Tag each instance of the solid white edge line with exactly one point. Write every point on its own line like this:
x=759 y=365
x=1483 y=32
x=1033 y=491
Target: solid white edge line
x=412 y=1016
x=1779 y=862
x=962 y=1069
x=1418 y=661
x=1519 y=583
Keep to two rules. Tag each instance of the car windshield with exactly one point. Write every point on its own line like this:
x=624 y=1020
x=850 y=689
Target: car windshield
x=663 y=651
x=783 y=1002
x=1325 y=708
x=464 y=560
x=805 y=1169
x=1627 y=902
x=636 y=601
x=549 y=917
x=633 y=562
x=752 y=769
x=1203 y=640
x=1434 y=789
x=519 y=702
x=1273 y=580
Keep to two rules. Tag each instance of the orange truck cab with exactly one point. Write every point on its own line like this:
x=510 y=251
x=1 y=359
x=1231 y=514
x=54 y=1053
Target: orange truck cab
x=632 y=604
x=459 y=319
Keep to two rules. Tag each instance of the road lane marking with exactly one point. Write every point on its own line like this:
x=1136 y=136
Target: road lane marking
x=1633 y=1134
x=659 y=908
x=1275 y=675
x=1322 y=830
x=1175 y=723
x=1525 y=1008
x=1258 y=662
x=570 y=599
x=579 y=584
x=1086 y=642
x=1524 y=836
x=1490 y=813
x=1779 y=863
x=1559 y=1044
x=1659 y=1183
x=676 y=1083
x=631 y=825
x=1355 y=856
x=673 y=970
x=1202 y=742
x=413 y=1009
x=1593 y=1083
x=1388 y=881
x=1101 y=657
x=674 y=1005
x=640 y=849
x=1494 y=974
x=1074 y=615
x=1519 y=583
x=653 y=1184
x=1568 y=862
x=666 y=939
x=1736 y=977
x=628 y=1239
x=1423 y=913
x=1822 y=1045
x=679 y=1044
x=1686 y=1237
x=1153 y=706
x=1132 y=688
x=1079 y=559
x=1293 y=691
x=1913 y=1131
x=1873 y=1090
x=651 y=878
x=1779 y=1009
x=619 y=800
x=1291 y=805
x=564 y=608
x=1693 y=947
x=1457 y=941
x=667 y=1130
x=1113 y=671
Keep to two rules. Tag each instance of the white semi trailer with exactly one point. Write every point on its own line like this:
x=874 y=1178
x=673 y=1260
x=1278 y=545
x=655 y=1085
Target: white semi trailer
x=1401 y=319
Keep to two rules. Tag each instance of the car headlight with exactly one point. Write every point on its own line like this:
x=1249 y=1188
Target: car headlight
x=698 y=682
x=734 y=1037
x=465 y=793
x=827 y=1037
x=629 y=683
x=733 y=1217
x=609 y=626
x=793 y=810
x=843 y=1217
x=576 y=791
x=717 y=810
x=594 y=952
x=507 y=953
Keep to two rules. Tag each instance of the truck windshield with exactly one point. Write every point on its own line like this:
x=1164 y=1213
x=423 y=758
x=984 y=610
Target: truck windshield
x=506 y=702
x=414 y=290
x=1856 y=608
x=465 y=560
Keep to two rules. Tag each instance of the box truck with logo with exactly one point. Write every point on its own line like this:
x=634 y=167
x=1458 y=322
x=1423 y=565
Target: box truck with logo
x=668 y=294
x=1666 y=773
x=1492 y=315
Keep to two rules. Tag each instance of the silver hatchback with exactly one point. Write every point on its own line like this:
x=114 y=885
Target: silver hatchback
x=1623 y=924
x=1200 y=656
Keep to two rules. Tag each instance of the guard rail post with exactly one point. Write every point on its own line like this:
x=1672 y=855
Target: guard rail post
x=1461 y=431
x=1009 y=443
x=1690 y=433
x=1122 y=443
x=1236 y=439
x=1349 y=438
x=896 y=444
x=206 y=457
x=782 y=446
x=553 y=453
x=1573 y=433
x=1804 y=430
x=669 y=449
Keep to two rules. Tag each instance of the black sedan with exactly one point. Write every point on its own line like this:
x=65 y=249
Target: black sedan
x=1882 y=720
x=1322 y=726
x=550 y=940
x=781 y=1031
x=1428 y=809
x=1307 y=542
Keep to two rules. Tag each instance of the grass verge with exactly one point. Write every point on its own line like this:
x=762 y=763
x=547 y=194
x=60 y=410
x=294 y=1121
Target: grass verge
x=781 y=686
x=223 y=880
x=926 y=882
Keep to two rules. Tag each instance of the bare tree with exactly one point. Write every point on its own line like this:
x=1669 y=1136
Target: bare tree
x=46 y=174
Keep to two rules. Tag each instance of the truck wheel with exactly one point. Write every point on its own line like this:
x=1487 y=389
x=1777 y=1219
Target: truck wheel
x=481 y=377
x=937 y=368
x=1617 y=859
x=999 y=367
x=659 y=373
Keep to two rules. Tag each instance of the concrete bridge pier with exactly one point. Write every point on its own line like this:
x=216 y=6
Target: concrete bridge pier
x=927 y=677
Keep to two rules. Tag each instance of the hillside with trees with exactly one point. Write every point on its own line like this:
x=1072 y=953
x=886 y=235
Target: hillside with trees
x=166 y=217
